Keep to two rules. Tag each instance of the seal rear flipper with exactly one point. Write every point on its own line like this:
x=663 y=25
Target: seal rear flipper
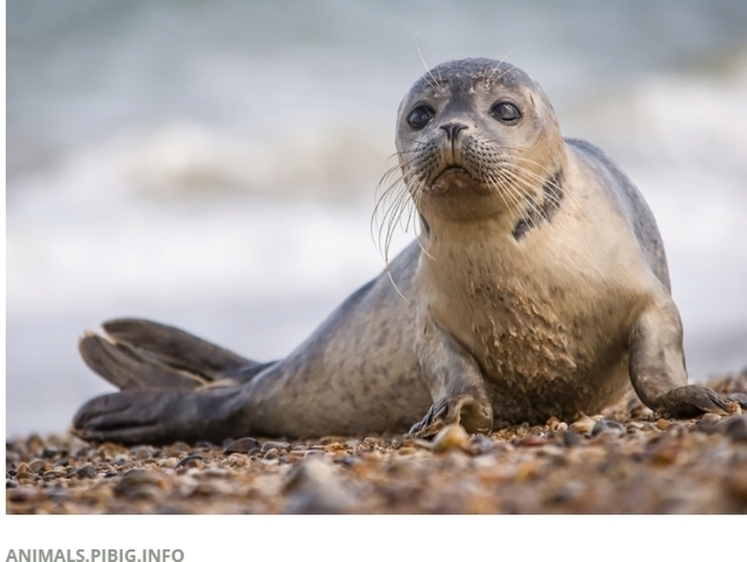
x=162 y=416
x=176 y=347
x=126 y=367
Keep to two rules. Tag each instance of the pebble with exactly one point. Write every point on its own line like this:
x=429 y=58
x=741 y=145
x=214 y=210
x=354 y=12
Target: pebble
x=313 y=488
x=244 y=445
x=608 y=426
x=278 y=445
x=570 y=439
x=86 y=471
x=653 y=466
x=530 y=441
x=583 y=425
x=190 y=461
x=663 y=423
x=451 y=437
x=169 y=462
x=735 y=427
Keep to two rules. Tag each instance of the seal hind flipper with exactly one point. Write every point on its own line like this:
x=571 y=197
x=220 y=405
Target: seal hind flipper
x=160 y=416
x=176 y=347
x=127 y=367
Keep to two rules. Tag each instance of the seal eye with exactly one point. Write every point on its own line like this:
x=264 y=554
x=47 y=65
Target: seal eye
x=420 y=116
x=506 y=112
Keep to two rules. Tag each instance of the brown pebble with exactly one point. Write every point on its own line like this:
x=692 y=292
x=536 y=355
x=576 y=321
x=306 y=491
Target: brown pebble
x=583 y=425
x=53 y=474
x=665 y=451
x=736 y=485
x=23 y=468
x=169 y=462
x=530 y=441
x=451 y=437
x=663 y=423
x=37 y=465
x=244 y=445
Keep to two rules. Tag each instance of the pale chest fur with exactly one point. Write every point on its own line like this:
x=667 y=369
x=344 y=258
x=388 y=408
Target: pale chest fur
x=555 y=309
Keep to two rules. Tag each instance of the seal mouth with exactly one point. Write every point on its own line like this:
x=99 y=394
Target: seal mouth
x=454 y=178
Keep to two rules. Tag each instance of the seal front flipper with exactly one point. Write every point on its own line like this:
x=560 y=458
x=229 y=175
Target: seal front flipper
x=162 y=416
x=657 y=368
x=455 y=382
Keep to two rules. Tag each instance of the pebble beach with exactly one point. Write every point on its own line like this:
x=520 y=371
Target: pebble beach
x=624 y=460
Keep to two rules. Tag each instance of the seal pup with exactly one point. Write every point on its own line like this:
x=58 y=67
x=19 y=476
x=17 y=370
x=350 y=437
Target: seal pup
x=537 y=287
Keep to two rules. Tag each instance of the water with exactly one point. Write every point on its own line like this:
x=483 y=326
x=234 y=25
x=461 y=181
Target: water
x=213 y=164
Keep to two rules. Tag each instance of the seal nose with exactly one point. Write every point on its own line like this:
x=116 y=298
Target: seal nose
x=452 y=130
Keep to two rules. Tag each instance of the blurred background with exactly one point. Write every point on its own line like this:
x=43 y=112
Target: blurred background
x=213 y=164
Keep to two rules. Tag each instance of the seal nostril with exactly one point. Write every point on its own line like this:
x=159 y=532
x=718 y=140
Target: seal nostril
x=452 y=129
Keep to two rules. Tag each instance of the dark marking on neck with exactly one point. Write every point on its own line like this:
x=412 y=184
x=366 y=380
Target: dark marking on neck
x=552 y=196
x=424 y=224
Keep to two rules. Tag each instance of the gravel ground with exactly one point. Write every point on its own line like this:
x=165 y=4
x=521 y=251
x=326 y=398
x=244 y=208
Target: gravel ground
x=623 y=461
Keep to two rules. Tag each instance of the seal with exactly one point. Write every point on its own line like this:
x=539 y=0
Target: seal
x=537 y=287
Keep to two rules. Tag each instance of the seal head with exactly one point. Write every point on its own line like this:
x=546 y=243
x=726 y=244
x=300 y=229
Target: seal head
x=471 y=129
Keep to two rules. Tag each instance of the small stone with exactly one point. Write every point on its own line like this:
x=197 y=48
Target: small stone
x=583 y=425
x=735 y=427
x=139 y=484
x=451 y=437
x=570 y=439
x=552 y=423
x=190 y=461
x=26 y=477
x=530 y=441
x=272 y=454
x=312 y=487
x=664 y=452
x=607 y=426
x=736 y=485
x=562 y=426
x=663 y=423
x=246 y=445
x=279 y=445
x=37 y=465
x=51 y=452
x=169 y=462
x=481 y=444
x=711 y=417
x=53 y=474
x=143 y=453
x=527 y=471
x=23 y=468
x=87 y=471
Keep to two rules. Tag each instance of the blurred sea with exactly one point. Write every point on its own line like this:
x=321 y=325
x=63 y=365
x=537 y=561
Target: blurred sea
x=213 y=164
